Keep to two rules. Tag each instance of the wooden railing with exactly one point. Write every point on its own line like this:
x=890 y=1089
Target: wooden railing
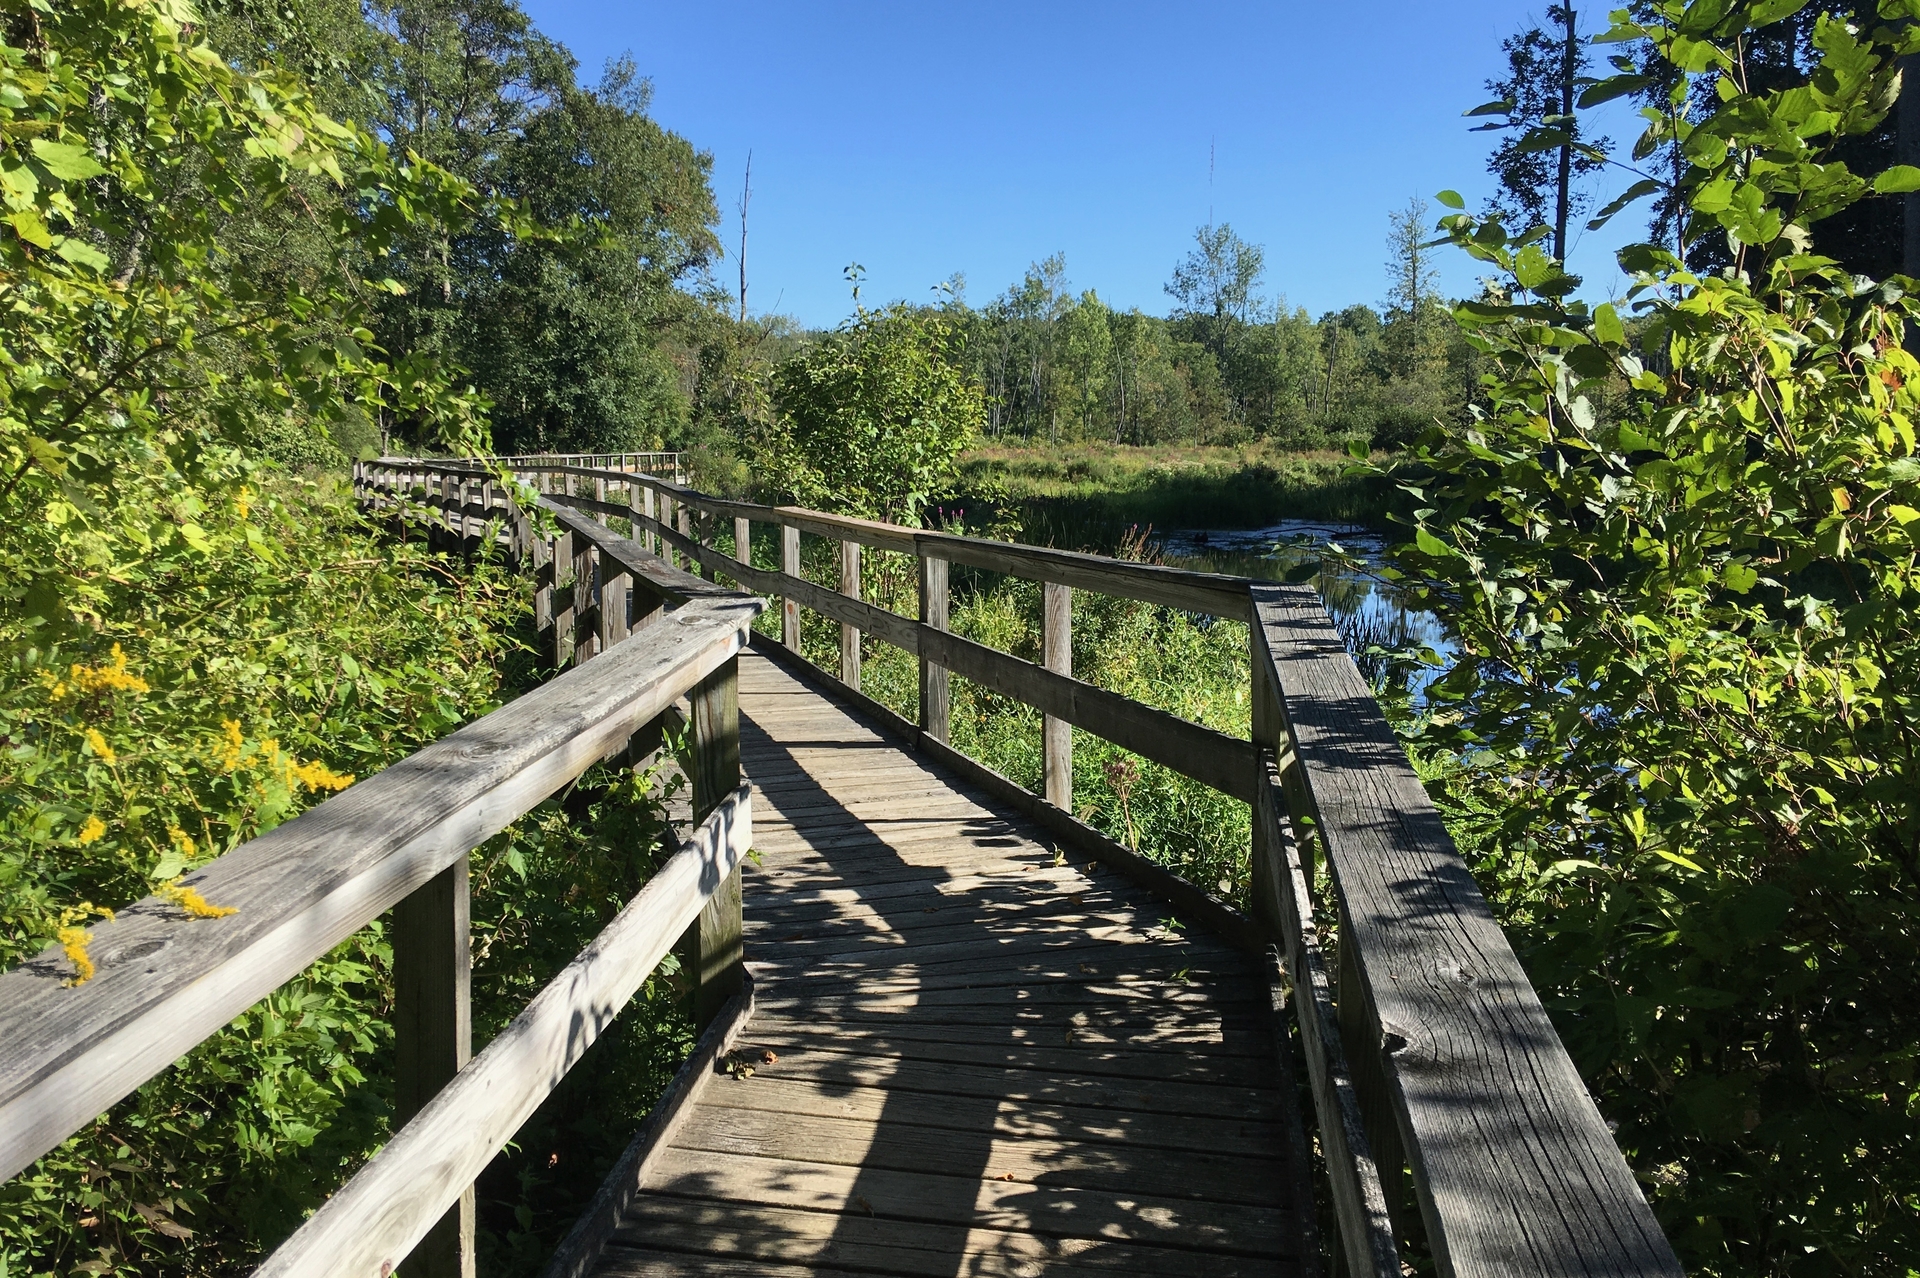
x=1450 y=1115
x=666 y=465
x=399 y=841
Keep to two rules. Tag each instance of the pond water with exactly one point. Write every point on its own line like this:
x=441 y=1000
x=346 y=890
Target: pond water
x=1372 y=616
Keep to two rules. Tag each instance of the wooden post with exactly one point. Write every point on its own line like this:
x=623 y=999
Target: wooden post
x=1056 y=653
x=545 y=572
x=1264 y=856
x=743 y=540
x=714 y=940
x=563 y=615
x=935 y=700
x=600 y=494
x=647 y=508
x=586 y=561
x=789 y=609
x=433 y=1037
x=683 y=519
x=613 y=607
x=850 y=635
x=666 y=521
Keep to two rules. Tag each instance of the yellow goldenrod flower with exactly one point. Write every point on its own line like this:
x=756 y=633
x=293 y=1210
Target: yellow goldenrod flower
x=100 y=746
x=235 y=743
x=244 y=502
x=74 y=941
x=318 y=776
x=181 y=840
x=91 y=830
x=190 y=900
x=112 y=677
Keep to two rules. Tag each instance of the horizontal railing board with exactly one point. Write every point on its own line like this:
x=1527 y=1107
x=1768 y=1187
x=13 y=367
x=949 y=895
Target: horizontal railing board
x=1514 y=1166
x=632 y=558
x=1204 y=754
x=1215 y=594
x=165 y=981
x=372 y=1223
x=1359 y=1200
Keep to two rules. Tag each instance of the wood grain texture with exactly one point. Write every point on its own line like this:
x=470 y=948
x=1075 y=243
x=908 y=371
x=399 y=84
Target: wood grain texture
x=916 y=1100
x=165 y=981
x=1514 y=1168
x=578 y=1252
x=936 y=693
x=849 y=633
x=1359 y=1200
x=1056 y=654
x=380 y=1214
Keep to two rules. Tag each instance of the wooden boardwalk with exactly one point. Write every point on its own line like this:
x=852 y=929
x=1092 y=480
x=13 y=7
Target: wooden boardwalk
x=970 y=1053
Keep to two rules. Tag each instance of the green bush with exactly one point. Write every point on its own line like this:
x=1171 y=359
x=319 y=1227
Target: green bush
x=1682 y=738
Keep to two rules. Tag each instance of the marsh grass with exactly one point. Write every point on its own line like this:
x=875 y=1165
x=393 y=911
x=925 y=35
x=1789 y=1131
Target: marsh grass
x=1087 y=497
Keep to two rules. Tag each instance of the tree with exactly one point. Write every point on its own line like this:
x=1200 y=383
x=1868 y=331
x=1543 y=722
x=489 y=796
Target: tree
x=874 y=417
x=1546 y=153
x=1413 y=317
x=1213 y=286
x=1682 y=734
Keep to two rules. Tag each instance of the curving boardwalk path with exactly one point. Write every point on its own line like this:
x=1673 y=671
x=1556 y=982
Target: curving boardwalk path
x=987 y=1059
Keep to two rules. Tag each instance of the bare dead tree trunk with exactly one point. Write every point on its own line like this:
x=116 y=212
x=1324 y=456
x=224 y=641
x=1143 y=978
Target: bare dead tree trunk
x=746 y=197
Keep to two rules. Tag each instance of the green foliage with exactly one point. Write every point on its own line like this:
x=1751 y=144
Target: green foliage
x=874 y=417
x=1683 y=741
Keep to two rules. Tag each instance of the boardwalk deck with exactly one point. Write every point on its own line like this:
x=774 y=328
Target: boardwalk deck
x=972 y=1055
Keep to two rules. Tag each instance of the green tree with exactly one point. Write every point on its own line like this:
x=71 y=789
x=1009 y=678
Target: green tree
x=874 y=416
x=1682 y=731
x=1546 y=153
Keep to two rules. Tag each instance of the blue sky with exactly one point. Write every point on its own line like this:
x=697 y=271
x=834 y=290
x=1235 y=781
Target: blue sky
x=922 y=140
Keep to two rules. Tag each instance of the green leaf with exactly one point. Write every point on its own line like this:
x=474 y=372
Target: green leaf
x=1898 y=179
x=28 y=226
x=1498 y=107
x=1430 y=544
x=1739 y=578
x=1677 y=859
x=80 y=253
x=1607 y=326
x=67 y=162
x=1451 y=199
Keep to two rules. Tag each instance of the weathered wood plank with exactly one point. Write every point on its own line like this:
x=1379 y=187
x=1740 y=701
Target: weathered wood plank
x=897 y=1146
x=380 y=1214
x=676 y=1236
x=1056 y=734
x=994 y=1204
x=1515 y=1170
x=936 y=696
x=578 y=1252
x=166 y=981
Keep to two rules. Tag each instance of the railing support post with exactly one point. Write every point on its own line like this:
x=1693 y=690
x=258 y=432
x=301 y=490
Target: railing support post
x=743 y=540
x=433 y=1037
x=850 y=635
x=563 y=615
x=789 y=608
x=586 y=568
x=714 y=940
x=666 y=521
x=936 y=707
x=1056 y=653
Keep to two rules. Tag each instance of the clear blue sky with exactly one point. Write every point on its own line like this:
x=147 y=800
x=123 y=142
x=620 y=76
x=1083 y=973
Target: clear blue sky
x=922 y=140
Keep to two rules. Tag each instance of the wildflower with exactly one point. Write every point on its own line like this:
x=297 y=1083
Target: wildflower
x=182 y=841
x=243 y=504
x=235 y=743
x=74 y=941
x=190 y=900
x=112 y=677
x=318 y=776
x=100 y=746
x=91 y=830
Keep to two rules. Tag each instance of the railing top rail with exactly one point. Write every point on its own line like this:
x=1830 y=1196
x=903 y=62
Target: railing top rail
x=1516 y=1170
x=164 y=981
x=1215 y=594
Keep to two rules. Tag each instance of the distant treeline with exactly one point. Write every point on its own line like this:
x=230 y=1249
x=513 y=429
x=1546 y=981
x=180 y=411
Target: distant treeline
x=1225 y=366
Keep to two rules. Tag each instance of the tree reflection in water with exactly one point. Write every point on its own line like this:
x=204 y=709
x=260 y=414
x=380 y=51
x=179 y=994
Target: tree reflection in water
x=1370 y=613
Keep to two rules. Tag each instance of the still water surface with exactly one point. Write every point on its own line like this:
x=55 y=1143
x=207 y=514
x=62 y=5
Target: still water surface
x=1370 y=613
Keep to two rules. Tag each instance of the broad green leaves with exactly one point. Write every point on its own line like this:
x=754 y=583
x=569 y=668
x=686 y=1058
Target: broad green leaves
x=1678 y=541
